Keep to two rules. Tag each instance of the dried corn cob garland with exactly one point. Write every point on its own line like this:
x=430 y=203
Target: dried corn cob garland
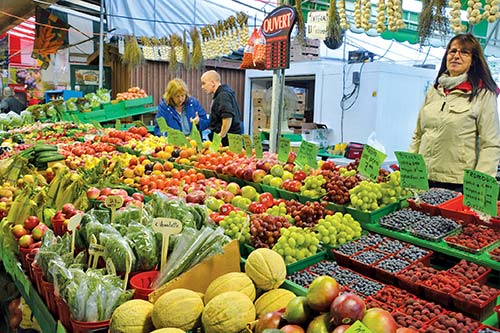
x=474 y=11
x=147 y=48
x=357 y=14
x=394 y=15
x=455 y=21
x=491 y=10
x=380 y=24
x=366 y=15
x=197 y=56
x=344 y=24
x=243 y=32
x=164 y=49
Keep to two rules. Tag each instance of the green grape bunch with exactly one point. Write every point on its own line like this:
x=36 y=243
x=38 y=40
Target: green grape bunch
x=296 y=244
x=337 y=229
x=236 y=225
x=313 y=186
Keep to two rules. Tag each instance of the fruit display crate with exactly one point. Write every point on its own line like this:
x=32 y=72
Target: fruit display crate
x=455 y=209
x=138 y=102
x=374 y=216
x=441 y=246
x=478 y=311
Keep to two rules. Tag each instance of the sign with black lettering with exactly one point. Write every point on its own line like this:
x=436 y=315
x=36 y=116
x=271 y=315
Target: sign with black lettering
x=413 y=170
x=481 y=192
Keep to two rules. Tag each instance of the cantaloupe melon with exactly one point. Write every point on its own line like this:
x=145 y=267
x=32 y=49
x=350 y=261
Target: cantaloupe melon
x=168 y=330
x=266 y=268
x=228 y=312
x=179 y=308
x=273 y=300
x=133 y=316
x=234 y=281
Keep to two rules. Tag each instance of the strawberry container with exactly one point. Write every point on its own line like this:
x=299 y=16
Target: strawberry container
x=440 y=288
x=447 y=322
x=423 y=207
x=422 y=310
x=393 y=296
x=476 y=310
x=479 y=273
x=404 y=320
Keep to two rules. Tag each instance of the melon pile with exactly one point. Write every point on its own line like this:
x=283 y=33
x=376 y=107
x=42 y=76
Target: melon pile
x=228 y=305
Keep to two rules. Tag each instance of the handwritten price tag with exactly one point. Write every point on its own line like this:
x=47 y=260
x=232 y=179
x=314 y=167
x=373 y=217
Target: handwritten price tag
x=114 y=201
x=96 y=249
x=481 y=192
x=413 y=170
x=307 y=154
x=247 y=141
x=283 y=149
x=176 y=138
x=162 y=124
x=358 y=327
x=257 y=143
x=235 y=143
x=370 y=162
x=167 y=227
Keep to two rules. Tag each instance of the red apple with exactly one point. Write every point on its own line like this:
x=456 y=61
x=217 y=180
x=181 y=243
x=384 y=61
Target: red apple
x=299 y=175
x=138 y=196
x=196 y=197
x=106 y=191
x=68 y=209
x=25 y=241
x=93 y=193
x=102 y=197
x=258 y=175
x=256 y=208
x=30 y=222
x=292 y=329
x=379 y=321
x=39 y=231
x=19 y=230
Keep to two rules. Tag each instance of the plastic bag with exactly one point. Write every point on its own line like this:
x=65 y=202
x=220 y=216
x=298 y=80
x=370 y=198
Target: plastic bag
x=117 y=248
x=372 y=141
x=259 y=52
x=247 y=62
x=142 y=240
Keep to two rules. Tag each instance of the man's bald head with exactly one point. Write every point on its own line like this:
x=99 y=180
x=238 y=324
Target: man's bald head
x=210 y=81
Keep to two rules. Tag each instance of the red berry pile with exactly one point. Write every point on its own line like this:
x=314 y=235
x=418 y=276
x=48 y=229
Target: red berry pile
x=445 y=283
x=421 y=310
x=372 y=303
x=474 y=237
x=477 y=293
x=265 y=229
x=453 y=322
x=468 y=270
x=395 y=297
x=417 y=273
x=403 y=320
x=495 y=254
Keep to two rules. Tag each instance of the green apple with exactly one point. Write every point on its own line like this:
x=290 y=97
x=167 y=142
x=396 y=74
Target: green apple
x=276 y=182
x=213 y=203
x=249 y=192
x=233 y=187
x=277 y=170
x=244 y=203
x=287 y=175
x=236 y=200
x=267 y=179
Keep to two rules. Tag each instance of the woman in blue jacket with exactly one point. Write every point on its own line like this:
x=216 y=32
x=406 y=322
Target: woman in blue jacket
x=180 y=110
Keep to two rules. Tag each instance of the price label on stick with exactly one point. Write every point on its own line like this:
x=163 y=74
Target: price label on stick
x=95 y=251
x=370 y=162
x=257 y=143
x=481 y=192
x=162 y=124
x=283 y=149
x=248 y=145
x=113 y=202
x=73 y=224
x=413 y=170
x=110 y=266
x=358 y=327
x=307 y=154
x=235 y=143
x=166 y=226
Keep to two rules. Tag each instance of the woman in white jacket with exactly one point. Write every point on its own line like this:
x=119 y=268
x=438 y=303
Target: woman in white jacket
x=458 y=126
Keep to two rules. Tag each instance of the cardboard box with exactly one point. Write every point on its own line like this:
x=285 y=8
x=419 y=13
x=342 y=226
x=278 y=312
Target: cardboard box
x=200 y=276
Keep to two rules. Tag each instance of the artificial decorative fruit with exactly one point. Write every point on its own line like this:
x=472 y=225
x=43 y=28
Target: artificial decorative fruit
x=321 y=293
x=379 y=321
x=268 y=320
x=347 y=308
x=30 y=222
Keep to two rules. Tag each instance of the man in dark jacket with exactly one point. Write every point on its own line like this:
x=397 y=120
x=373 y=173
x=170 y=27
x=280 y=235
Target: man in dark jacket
x=11 y=103
x=225 y=115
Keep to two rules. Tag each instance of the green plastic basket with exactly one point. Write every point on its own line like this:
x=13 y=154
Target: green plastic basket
x=374 y=216
x=138 y=102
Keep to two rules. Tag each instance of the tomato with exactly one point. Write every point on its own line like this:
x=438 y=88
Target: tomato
x=266 y=199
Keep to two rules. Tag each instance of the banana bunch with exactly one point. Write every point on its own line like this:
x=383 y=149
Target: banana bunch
x=67 y=187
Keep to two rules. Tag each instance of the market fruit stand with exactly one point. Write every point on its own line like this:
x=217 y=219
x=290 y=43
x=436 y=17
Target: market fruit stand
x=328 y=230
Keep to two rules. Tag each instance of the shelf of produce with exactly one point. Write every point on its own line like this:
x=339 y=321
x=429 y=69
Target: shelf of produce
x=441 y=246
x=40 y=310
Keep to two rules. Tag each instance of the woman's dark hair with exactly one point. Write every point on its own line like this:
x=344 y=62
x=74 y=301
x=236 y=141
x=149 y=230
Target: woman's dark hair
x=478 y=71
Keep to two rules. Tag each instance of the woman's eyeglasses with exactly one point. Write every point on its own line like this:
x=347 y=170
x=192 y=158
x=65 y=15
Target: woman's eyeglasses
x=464 y=52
